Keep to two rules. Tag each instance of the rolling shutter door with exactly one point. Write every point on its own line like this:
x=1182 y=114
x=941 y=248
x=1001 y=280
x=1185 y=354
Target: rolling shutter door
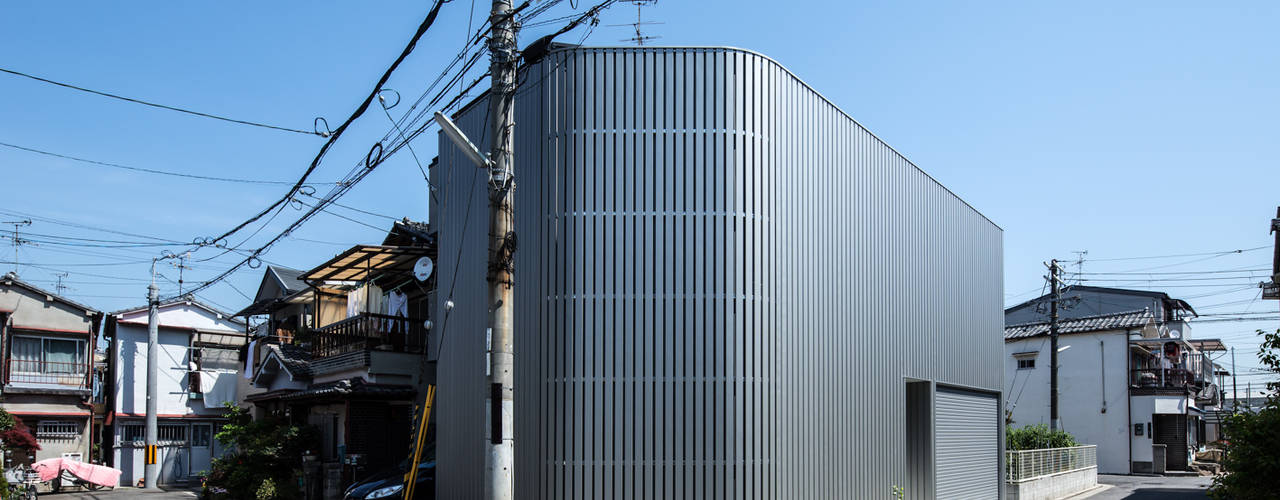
x=1171 y=431
x=968 y=445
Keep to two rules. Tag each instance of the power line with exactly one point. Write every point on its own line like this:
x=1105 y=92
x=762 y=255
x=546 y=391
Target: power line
x=376 y=157
x=162 y=106
x=60 y=222
x=1153 y=257
x=333 y=137
x=1163 y=273
x=141 y=169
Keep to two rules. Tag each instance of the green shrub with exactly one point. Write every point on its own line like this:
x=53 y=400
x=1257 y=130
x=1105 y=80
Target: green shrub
x=1252 y=438
x=266 y=457
x=1036 y=437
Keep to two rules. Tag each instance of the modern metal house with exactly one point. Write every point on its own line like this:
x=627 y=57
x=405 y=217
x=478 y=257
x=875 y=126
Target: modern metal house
x=727 y=288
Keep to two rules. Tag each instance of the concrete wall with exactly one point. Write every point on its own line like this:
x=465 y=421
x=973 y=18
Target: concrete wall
x=1087 y=359
x=1053 y=487
x=721 y=276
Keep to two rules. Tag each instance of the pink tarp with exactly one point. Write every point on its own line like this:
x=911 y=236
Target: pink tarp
x=96 y=474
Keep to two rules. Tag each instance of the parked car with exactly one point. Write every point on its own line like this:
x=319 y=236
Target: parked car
x=389 y=484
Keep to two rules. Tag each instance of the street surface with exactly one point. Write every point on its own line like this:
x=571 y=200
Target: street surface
x=123 y=493
x=1152 y=488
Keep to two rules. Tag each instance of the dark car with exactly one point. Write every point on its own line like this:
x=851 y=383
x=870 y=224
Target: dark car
x=389 y=484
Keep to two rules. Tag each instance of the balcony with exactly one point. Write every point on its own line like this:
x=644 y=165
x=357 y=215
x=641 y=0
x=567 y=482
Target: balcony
x=369 y=332
x=24 y=375
x=1166 y=378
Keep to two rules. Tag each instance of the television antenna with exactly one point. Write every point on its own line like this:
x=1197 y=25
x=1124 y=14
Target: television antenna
x=59 y=287
x=640 y=38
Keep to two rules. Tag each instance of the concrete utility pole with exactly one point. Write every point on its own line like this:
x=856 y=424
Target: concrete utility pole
x=1054 y=424
x=1235 y=393
x=17 y=241
x=500 y=447
x=151 y=470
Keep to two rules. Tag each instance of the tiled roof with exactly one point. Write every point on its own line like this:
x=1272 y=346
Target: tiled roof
x=1101 y=322
x=354 y=387
x=295 y=359
x=289 y=279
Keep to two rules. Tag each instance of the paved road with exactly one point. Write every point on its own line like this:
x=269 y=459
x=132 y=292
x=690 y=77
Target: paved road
x=1152 y=488
x=121 y=494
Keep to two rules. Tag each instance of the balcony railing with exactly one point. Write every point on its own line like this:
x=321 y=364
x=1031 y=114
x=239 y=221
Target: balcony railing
x=1026 y=465
x=370 y=332
x=1167 y=378
x=53 y=374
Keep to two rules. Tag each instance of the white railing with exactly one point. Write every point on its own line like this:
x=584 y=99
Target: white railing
x=1026 y=465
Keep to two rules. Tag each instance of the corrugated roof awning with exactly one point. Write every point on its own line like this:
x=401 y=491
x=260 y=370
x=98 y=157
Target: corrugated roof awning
x=361 y=262
x=1208 y=345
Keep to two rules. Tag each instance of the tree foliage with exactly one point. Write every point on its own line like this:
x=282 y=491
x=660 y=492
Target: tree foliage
x=1252 y=439
x=1036 y=437
x=266 y=457
x=15 y=435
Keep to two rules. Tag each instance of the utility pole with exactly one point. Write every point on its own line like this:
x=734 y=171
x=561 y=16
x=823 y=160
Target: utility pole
x=151 y=470
x=1053 y=344
x=500 y=447
x=182 y=266
x=17 y=241
x=1235 y=392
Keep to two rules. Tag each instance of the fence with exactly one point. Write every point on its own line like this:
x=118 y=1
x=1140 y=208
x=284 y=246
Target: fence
x=1026 y=465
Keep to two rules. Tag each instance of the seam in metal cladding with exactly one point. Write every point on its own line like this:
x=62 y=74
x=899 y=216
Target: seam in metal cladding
x=723 y=283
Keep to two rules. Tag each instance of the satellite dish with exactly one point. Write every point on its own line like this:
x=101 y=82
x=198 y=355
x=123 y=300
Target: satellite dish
x=422 y=268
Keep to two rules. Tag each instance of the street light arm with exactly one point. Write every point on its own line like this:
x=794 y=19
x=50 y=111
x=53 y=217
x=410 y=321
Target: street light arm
x=459 y=139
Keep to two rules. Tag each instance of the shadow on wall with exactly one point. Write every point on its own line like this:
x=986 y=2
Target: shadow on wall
x=128 y=361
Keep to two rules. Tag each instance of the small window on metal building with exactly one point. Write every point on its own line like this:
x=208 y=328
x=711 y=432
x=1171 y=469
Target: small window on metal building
x=1026 y=363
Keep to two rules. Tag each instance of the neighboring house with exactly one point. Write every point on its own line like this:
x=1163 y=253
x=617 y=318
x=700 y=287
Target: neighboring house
x=199 y=372
x=1129 y=378
x=47 y=354
x=726 y=287
x=353 y=363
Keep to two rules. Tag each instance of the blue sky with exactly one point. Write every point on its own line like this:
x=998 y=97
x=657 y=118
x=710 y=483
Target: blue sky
x=1127 y=129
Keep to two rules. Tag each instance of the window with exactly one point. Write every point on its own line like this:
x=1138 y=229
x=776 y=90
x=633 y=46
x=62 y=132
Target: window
x=57 y=429
x=133 y=432
x=200 y=434
x=48 y=355
x=172 y=432
x=1026 y=363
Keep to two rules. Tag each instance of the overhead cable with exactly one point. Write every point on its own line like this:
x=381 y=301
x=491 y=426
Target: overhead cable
x=337 y=133
x=141 y=169
x=162 y=106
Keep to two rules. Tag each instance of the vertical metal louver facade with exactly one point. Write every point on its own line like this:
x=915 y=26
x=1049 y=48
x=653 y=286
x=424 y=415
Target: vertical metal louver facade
x=722 y=282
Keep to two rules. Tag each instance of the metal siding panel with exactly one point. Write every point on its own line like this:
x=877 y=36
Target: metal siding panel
x=695 y=306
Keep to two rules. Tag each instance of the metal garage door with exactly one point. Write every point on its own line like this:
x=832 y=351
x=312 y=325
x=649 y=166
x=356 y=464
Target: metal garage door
x=968 y=445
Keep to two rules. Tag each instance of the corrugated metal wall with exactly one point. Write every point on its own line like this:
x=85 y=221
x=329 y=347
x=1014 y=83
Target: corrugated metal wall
x=722 y=282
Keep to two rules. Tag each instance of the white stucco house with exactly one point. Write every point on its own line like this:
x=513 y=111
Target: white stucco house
x=200 y=370
x=1129 y=379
